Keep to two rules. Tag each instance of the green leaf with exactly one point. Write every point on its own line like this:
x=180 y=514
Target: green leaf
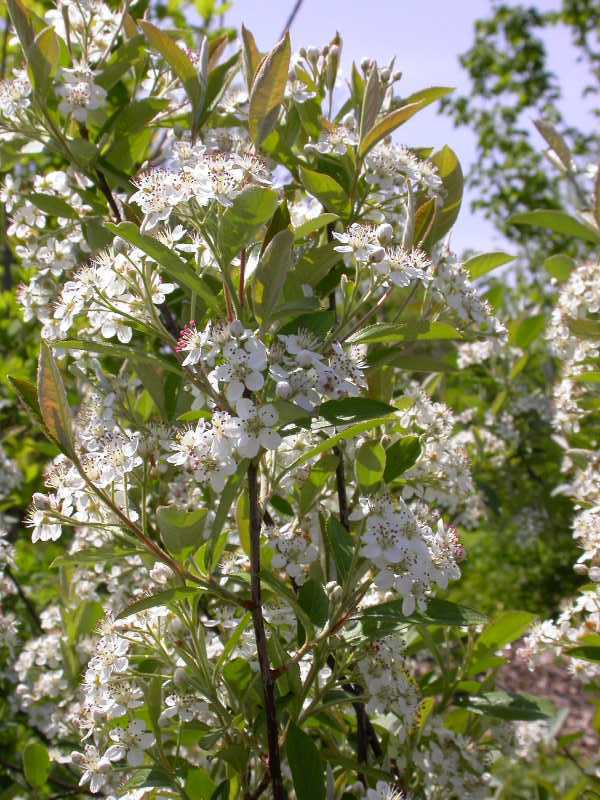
x=305 y=763
x=486 y=262
x=557 y=221
x=587 y=652
x=251 y=55
x=198 y=784
x=222 y=791
x=401 y=456
x=179 y=529
x=353 y=409
x=370 y=464
x=506 y=705
x=342 y=545
x=228 y=498
x=268 y=90
x=327 y=190
x=384 y=619
x=371 y=104
x=240 y=223
x=159 y=599
x=450 y=172
x=524 y=332
x=327 y=444
x=181 y=65
x=178 y=269
x=55 y=206
x=270 y=275
x=585 y=328
x=119 y=351
x=559 y=266
x=36 y=764
x=52 y=399
x=313 y=266
x=399 y=116
x=314 y=224
x=314 y=601
x=506 y=627
x=42 y=54
x=27 y=393
x=242 y=519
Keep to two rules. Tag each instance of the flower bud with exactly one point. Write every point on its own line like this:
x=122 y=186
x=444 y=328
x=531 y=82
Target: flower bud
x=385 y=75
x=119 y=245
x=179 y=677
x=283 y=390
x=313 y=54
x=384 y=233
x=236 y=328
x=302 y=52
x=580 y=569
x=365 y=65
x=304 y=358
x=594 y=574
x=377 y=255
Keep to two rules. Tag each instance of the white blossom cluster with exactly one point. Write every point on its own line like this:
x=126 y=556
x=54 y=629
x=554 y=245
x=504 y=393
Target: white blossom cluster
x=580 y=616
x=410 y=557
x=390 y=687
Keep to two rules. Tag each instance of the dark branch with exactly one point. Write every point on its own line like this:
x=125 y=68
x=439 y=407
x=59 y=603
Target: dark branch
x=268 y=679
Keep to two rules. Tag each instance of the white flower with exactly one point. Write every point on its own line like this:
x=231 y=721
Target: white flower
x=186 y=707
x=79 y=93
x=243 y=368
x=254 y=428
x=95 y=766
x=131 y=742
x=383 y=791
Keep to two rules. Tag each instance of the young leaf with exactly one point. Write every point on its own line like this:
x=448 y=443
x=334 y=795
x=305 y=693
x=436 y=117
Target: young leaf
x=251 y=55
x=557 y=221
x=268 y=89
x=242 y=220
x=353 y=409
x=181 y=66
x=481 y=265
x=370 y=464
x=175 y=266
x=559 y=266
x=36 y=764
x=55 y=206
x=506 y=627
x=400 y=456
x=305 y=763
x=327 y=190
x=270 y=275
x=507 y=705
x=180 y=529
x=399 y=116
x=52 y=399
x=450 y=172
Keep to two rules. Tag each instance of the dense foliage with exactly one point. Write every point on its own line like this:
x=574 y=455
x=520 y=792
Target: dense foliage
x=274 y=420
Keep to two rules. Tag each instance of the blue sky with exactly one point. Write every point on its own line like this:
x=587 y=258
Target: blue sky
x=426 y=36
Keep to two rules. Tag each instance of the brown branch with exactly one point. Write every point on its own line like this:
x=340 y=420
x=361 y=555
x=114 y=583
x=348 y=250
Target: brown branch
x=268 y=679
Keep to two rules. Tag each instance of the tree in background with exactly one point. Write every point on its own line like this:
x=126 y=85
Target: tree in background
x=512 y=81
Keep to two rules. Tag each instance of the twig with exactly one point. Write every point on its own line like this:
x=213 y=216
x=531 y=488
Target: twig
x=268 y=679
x=292 y=17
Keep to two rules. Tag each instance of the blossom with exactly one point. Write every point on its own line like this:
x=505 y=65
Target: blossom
x=80 y=94
x=253 y=428
x=131 y=742
x=95 y=767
